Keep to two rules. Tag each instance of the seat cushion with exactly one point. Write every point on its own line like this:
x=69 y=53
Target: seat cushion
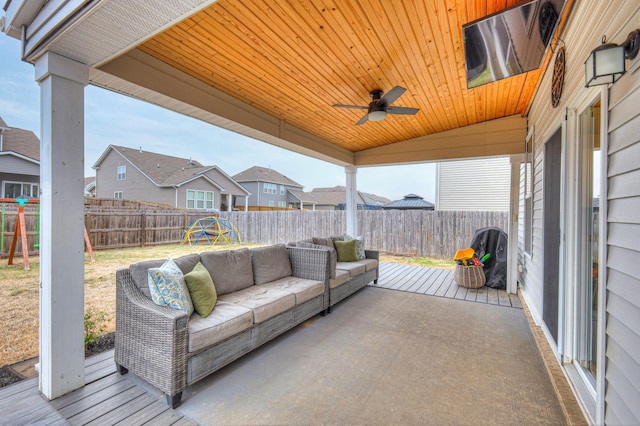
x=354 y=268
x=225 y=321
x=369 y=264
x=265 y=302
x=270 y=263
x=303 y=289
x=230 y=270
x=341 y=278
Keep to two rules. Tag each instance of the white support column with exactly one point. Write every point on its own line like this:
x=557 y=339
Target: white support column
x=352 y=204
x=246 y=203
x=62 y=83
x=514 y=207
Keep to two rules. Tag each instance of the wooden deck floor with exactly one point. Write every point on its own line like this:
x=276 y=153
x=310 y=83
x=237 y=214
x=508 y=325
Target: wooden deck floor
x=439 y=282
x=107 y=398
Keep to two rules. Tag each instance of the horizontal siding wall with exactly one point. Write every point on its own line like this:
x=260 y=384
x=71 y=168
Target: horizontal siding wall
x=481 y=184
x=623 y=241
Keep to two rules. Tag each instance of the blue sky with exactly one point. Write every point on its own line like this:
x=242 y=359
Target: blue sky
x=115 y=119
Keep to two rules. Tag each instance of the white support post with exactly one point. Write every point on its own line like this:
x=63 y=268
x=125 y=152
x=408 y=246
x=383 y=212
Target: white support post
x=514 y=207
x=352 y=204
x=62 y=83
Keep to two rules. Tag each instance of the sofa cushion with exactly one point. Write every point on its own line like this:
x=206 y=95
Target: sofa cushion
x=230 y=270
x=270 y=263
x=265 y=302
x=201 y=289
x=354 y=268
x=369 y=264
x=341 y=278
x=359 y=244
x=225 y=321
x=140 y=275
x=168 y=288
x=323 y=241
x=303 y=289
x=346 y=251
x=333 y=255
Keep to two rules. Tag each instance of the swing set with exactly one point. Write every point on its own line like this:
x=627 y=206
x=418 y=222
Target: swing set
x=20 y=231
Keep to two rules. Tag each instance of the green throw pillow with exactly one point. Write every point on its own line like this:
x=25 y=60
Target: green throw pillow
x=202 y=291
x=346 y=250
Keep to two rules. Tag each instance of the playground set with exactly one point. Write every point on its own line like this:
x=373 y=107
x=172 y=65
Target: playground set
x=20 y=231
x=211 y=229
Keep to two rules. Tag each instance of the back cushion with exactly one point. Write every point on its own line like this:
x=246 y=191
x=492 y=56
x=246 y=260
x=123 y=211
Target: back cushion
x=270 y=263
x=230 y=270
x=139 y=271
x=323 y=241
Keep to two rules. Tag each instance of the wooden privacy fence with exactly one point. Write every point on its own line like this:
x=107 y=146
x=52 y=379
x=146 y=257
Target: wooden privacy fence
x=413 y=233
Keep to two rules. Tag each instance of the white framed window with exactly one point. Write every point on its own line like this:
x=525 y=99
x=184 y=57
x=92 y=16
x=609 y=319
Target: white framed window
x=19 y=189
x=121 y=173
x=271 y=203
x=282 y=189
x=118 y=195
x=198 y=199
x=282 y=204
x=270 y=188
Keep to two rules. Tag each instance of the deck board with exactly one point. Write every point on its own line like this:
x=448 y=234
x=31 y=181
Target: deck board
x=107 y=398
x=439 y=282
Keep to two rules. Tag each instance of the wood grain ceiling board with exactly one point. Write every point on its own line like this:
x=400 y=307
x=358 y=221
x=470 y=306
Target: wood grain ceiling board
x=294 y=59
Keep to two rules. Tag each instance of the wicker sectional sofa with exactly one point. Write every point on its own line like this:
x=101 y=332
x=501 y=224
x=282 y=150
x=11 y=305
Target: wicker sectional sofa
x=262 y=293
x=345 y=278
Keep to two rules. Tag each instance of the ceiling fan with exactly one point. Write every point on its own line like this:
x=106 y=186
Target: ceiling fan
x=379 y=106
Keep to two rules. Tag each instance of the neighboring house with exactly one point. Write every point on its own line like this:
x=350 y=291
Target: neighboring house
x=19 y=162
x=90 y=186
x=480 y=184
x=268 y=187
x=334 y=198
x=410 y=202
x=134 y=174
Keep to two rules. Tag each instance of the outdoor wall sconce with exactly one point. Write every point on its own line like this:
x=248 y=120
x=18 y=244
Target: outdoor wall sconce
x=606 y=63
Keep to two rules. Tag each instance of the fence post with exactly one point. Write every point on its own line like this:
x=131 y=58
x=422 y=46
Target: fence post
x=143 y=228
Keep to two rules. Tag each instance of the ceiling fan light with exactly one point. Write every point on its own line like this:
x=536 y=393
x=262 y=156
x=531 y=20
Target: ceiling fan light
x=377 y=115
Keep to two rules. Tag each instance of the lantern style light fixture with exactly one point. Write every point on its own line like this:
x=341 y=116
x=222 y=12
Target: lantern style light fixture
x=606 y=63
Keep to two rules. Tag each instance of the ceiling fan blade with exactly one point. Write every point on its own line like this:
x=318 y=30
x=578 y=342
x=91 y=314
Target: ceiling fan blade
x=363 y=120
x=349 y=106
x=392 y=95
x=402 y=110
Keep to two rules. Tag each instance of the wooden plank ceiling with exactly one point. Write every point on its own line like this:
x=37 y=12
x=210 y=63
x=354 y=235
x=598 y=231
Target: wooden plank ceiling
x=294 y=59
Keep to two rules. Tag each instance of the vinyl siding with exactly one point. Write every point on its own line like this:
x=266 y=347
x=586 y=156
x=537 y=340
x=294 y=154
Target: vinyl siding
x=623 y=245
x=481 y=184
x=11 y=164
x=615 y=19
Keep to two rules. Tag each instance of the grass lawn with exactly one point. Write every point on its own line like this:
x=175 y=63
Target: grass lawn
x=20 y=290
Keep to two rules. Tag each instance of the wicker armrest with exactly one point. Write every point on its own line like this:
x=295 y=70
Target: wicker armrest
x=151 y=340
x=372 y=254
x=308 y=263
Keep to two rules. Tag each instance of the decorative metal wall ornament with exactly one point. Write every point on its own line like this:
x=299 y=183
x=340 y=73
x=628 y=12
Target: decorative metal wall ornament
x=557 y=82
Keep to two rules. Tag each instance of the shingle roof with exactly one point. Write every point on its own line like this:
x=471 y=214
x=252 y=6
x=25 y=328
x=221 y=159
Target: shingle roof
x=333 y=196
x=410 y=201
x=20 y=141
x=163 y=170
x=264 y=174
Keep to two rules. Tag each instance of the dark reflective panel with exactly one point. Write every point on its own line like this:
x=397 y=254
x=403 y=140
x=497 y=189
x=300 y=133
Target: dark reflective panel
x=510 y=42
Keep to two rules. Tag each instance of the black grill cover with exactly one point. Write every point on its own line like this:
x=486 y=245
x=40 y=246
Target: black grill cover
x=492 y=240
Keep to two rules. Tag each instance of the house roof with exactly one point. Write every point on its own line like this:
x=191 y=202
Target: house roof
x=264 y=174
x=410 y=201
x=19 y=141
x=165 y=170
x=332 y=196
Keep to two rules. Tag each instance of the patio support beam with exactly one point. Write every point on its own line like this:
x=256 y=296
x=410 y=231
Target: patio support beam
x=62 y=83
x=352 y=206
